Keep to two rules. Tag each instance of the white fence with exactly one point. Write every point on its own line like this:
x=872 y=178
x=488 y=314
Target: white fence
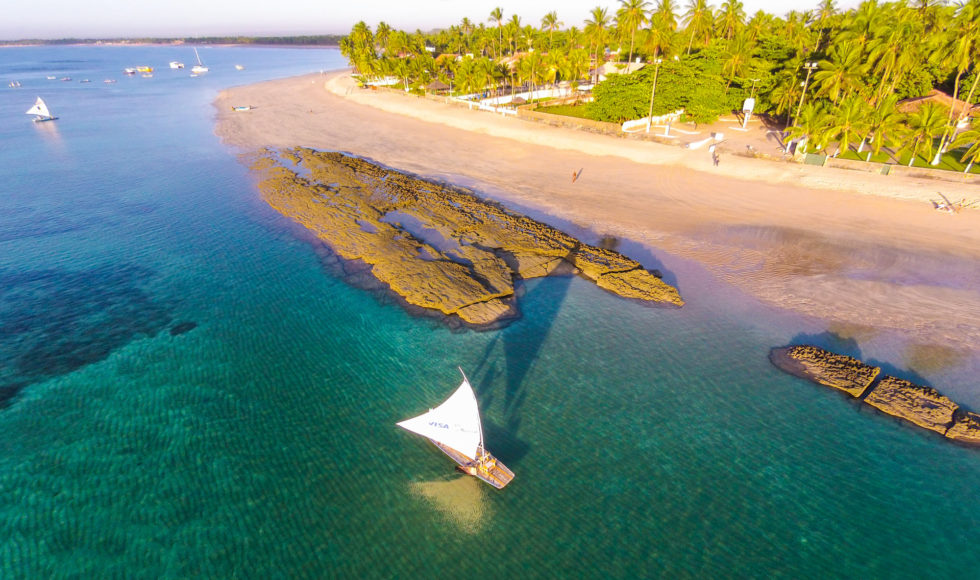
x=638 y=125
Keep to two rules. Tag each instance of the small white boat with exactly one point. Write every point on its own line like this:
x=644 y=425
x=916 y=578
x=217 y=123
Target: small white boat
x=175 y=64
x=129 y=71
x=14 y=84
x=66 y=79
x=40 y=111
x=109 y=81
x=239 y=67
x=84 y=81
x=242 y=108
x=199 y=67
x=51 y=77
x=455 y=428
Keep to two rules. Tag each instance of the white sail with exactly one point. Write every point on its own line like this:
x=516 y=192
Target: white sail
x=455 y=423
x=39 y=109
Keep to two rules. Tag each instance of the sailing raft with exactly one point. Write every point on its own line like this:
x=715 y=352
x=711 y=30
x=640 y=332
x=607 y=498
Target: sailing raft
x=40 y=111
x=455 y=428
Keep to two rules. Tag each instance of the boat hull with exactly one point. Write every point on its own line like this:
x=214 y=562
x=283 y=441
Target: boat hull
x=490 y=470
x=43 y=119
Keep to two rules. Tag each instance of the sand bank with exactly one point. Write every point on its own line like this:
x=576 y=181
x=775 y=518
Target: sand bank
x=851 y=248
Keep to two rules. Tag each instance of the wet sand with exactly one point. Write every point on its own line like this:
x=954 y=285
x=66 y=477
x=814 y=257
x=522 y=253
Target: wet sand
x=854 y=249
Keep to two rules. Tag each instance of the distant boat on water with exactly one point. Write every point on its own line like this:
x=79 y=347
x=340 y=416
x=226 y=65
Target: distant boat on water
x=109 y=81
x=14 y=84
x=40 y=111
x=51 y=77
x=66 y=79
x=199 y=67
x=239 y=67
x=175 y=64
x=242 y=108
x=455 y=428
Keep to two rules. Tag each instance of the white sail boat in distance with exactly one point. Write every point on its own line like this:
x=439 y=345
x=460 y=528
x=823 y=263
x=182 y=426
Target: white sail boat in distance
x=41 y=112
x=455 y=428
x=199 y=67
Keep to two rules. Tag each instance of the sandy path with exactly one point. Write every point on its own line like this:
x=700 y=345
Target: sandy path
x=809 y=239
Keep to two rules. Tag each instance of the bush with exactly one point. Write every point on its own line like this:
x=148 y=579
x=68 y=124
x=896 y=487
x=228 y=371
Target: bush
x=694 y=83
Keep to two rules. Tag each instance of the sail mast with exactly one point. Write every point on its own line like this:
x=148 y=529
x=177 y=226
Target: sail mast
x=479 y=420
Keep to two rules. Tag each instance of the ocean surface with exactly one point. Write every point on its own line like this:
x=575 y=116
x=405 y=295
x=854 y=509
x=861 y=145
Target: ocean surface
x=189 y=391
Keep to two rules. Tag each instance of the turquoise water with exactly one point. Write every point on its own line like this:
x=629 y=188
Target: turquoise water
x=190 y=391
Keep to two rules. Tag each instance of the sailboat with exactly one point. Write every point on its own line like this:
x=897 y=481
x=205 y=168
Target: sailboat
x=41 y=111
x=455 y=428
x=199 y=67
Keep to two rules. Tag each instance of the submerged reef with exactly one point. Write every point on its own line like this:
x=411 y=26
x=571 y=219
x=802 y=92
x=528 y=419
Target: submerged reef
x=917 y=404
x=436 y=246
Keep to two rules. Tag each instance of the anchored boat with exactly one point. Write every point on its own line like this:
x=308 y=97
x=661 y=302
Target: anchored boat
x=40 y=111
x=455 y=428
x=199 y=67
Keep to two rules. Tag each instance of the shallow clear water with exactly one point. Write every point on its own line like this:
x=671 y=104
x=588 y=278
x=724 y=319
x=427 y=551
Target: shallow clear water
x=197 y=395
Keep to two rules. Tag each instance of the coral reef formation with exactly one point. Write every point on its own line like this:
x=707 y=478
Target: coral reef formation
x=436 y=246
x=917 y=404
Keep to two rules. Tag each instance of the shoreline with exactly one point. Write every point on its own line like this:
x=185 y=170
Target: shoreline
x=845 y=247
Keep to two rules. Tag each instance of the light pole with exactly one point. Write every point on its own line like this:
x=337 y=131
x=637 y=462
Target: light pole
x=656 y=72
x=809 y=66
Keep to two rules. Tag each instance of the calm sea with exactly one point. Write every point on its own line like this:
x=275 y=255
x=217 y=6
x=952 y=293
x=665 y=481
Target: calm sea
x=189 y=392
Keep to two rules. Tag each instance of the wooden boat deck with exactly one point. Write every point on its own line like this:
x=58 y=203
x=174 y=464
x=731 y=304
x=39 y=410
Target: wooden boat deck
x=492 y=471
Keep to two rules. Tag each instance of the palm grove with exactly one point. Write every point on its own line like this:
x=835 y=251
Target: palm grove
x=833 y=79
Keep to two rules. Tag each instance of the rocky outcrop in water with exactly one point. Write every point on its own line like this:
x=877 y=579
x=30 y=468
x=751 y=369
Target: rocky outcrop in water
x=917 y=404
x=436 y=246
x=841 y=372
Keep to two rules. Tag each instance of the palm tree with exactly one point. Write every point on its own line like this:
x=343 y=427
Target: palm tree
x=894 y=52
x=811 y=124
x=665 y=12
x=551 y=23
x=513 y=27
x=884 y=126
x=596 y=29
x=760 y=23
x=659 y=37
x=731 y=18
x=739 y=55
x=841 y=73
x=631 y=15
x=381 y=35
x=698 y=20
x=847 y=123
x=786 y=93
x=964 y=50
x=497 y=15
x=825 y=10
x=971 y=140
x=924 y=126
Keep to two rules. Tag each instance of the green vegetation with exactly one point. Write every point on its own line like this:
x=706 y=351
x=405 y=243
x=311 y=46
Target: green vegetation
x=577 y=111
x=316 y=40
x=834 y=79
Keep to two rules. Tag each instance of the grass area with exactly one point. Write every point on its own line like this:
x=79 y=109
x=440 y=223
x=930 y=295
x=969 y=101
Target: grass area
x=577 y=111
x=950 y=161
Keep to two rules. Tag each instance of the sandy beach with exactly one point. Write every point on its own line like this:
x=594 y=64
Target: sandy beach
x=861 y=251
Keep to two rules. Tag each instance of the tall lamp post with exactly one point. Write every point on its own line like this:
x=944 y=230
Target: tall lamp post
x=656 y=72
x=810 y=66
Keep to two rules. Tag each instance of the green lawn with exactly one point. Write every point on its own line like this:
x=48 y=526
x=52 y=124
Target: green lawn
x=950 y=161
x=577 y=111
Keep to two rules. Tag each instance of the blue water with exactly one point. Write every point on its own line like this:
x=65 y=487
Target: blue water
x=189 y=391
